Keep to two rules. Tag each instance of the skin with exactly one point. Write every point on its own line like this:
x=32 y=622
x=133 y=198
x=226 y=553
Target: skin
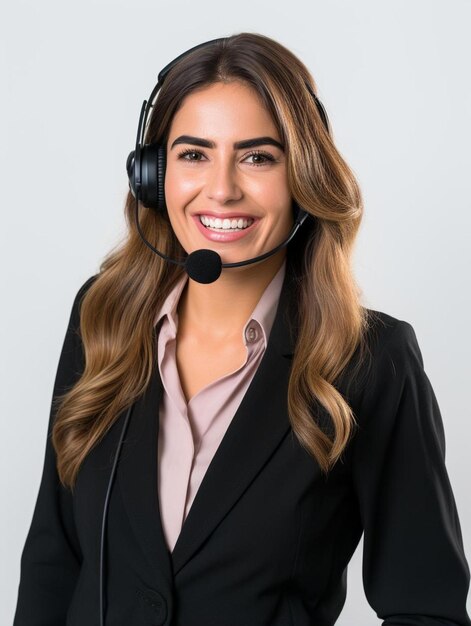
x=225 y=179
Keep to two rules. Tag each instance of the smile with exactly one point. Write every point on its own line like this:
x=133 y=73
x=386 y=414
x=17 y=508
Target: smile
x=222 y=231
x=226 y=224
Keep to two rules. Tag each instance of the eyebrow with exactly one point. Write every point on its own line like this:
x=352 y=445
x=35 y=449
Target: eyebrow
x=238 y=145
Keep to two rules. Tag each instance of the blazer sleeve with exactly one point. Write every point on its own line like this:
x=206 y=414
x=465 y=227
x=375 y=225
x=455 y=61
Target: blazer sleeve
x=51 y=556
x=414 y=566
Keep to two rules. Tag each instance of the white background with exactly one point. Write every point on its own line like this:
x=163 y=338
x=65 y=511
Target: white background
x=394 y=78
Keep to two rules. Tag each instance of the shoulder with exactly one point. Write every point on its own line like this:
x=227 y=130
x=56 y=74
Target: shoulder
x=80 y=293
x=85 y=287
x=389 y=351
x=386 y=333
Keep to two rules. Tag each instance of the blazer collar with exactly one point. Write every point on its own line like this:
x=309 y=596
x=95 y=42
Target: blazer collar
x=244 y=449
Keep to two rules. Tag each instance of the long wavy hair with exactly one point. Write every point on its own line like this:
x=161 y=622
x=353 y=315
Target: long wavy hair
x=118 y=310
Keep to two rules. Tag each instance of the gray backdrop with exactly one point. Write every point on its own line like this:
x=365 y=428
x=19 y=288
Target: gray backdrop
x=394 y=78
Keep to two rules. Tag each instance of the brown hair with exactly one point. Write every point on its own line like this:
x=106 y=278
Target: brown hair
x=118 y=310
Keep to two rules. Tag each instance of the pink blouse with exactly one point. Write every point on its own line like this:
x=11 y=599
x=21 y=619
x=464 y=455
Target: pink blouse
x=189 y=434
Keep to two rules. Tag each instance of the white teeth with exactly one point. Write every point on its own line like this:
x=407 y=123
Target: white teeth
x=226 y=224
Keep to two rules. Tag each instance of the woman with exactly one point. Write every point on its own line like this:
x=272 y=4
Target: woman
x=222 y=437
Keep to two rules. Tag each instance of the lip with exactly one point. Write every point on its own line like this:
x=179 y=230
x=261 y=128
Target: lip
x=223 y=237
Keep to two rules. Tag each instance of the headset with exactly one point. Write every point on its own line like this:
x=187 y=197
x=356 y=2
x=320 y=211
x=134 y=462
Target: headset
x=145 y=166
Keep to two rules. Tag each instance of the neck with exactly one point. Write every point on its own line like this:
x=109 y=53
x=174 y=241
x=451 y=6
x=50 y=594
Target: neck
x=218 y=311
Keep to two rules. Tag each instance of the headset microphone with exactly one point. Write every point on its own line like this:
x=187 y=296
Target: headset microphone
x=146 y=173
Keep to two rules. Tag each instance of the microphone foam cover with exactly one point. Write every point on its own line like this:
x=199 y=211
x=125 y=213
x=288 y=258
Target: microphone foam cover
x=203 y=266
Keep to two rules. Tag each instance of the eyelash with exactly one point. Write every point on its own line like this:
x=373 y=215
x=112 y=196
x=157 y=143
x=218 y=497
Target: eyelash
x=268 y=156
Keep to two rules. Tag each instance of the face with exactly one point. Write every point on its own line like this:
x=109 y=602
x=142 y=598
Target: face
x=226 y=167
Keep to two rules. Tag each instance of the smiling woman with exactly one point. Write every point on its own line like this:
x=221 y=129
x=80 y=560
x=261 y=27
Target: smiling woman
x=216 y=449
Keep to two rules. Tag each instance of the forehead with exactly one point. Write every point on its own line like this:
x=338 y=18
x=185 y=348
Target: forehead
x=227 y=110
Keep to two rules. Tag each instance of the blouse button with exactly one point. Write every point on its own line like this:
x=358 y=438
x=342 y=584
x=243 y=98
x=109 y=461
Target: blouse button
x=251 y=334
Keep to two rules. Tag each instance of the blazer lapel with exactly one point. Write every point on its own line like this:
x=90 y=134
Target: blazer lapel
x=137 y=479
x=257 y=428
x=244 y=449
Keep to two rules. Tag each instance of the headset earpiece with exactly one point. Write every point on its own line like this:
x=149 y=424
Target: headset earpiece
x=161 y=167
x=153 y=164
x=151 y=192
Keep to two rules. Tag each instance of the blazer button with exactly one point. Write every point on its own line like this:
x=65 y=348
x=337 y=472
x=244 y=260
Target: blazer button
x=155 y=604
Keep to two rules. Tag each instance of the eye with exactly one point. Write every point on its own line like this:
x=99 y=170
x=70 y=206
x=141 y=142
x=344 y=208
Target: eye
x=262 y=158
x=187 y=152
x=265 y=157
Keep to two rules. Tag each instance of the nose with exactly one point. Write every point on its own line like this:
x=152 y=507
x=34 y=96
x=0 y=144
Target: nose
x=222 y=184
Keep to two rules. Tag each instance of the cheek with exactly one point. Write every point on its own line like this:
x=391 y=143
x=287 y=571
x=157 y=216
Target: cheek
x=179 y=186
x=273 y=194
x=270 y=184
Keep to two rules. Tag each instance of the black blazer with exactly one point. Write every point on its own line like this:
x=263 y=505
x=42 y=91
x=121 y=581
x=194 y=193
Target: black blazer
x=268 y=538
